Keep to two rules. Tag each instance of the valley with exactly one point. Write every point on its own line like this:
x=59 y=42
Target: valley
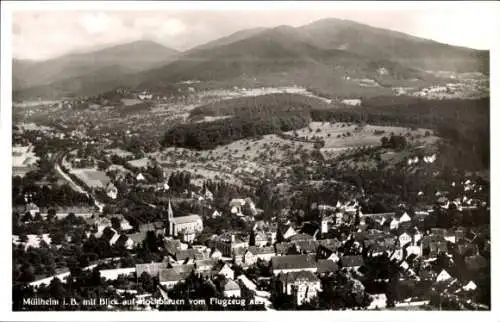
x=347 y=158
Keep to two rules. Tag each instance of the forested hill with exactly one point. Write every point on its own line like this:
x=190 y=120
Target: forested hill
x=464 y=124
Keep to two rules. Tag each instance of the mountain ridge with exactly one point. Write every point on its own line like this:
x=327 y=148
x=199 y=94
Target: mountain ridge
x=333 y=49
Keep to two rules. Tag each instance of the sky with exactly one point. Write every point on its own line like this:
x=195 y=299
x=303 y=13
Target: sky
x=45 y=34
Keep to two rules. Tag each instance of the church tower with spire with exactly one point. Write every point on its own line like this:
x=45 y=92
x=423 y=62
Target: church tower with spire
x=170 y=219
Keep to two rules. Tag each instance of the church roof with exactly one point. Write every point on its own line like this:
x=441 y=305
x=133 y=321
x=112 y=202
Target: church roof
x=186 y=219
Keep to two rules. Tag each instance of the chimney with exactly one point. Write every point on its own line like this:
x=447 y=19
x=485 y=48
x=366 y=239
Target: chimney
x=233 y=238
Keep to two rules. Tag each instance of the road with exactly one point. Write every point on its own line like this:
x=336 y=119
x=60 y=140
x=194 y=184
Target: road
x=57 y=159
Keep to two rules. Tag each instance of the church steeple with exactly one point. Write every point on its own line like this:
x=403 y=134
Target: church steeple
x=170 y=219
x=170 y=212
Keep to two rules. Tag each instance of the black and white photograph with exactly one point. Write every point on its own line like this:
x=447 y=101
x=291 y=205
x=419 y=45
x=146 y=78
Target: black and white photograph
x=202 y=156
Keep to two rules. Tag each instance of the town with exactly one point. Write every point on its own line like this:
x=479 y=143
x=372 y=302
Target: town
x=94 y=219
x=173 y=161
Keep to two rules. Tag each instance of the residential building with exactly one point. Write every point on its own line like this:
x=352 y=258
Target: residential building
x=254 y=253
x=223 y=269
x=302 y=285
x=153 y=269
x=327 y=266
x=231 y=288
x=169 y=277
x=227 y=243
x=288 y=232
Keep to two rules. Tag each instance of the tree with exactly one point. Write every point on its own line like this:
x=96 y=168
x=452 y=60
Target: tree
x=279 y=234
x=51 y=213
x=115 y=223
x=251 y=241
x=147 y=282
x=57 y=237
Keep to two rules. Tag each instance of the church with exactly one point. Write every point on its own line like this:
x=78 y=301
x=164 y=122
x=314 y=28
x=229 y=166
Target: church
x=188 y=226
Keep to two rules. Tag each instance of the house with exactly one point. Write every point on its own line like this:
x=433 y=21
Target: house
x=416 y=250
x=254 y=253
x=325 y=221
x=327 y=249
x=137 y=238
x=379 y=301
x=394 y=224
x=443 y=276
x=111 y=191
x=223 y=269
x=238 y=255
x=236 y=205
x=183 y=256
x=100 y=224
x=260 y=239
x=327 y=266
x=306 y=246
x=32 y=208
x=404 y=239
x=351 y=262
x=140 y=177
x=153 y=269
x=205 y=266
x=169 y=277
x=125 y=242
x=404 y=218
x=293 y=263
x=471 y=286
x=231 y=288
x=438 y=247
x=215 y=254
x=216 y=214
x=302 y=285
x=227 y=243
x=288 y=232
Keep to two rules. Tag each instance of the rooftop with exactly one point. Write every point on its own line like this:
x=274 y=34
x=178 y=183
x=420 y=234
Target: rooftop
x=293 y=262
x=327 y=266
x=299 y=276
x=187 y=219
x=260 y=250
x=351 y=261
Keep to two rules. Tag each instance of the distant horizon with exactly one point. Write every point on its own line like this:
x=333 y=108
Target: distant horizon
x=92 y=31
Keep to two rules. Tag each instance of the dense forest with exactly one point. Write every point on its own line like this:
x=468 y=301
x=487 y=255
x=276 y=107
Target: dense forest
x=464 y=124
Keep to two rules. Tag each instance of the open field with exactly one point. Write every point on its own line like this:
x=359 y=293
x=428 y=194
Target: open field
x=274 y=156
x=139 y=163
x=340 y=137
x=92 y=177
